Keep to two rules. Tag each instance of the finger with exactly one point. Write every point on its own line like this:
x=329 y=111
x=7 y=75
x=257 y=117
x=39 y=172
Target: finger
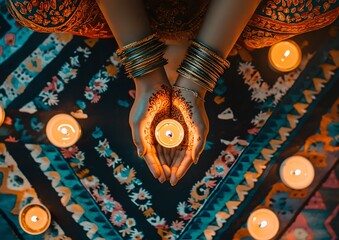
x=167 y=155
x=172 y=154
x=152 y=164
x=178 y=156
x=175 y=165
x=162 y=177
x=198 y=147
x=184 y=166
x=163 y=161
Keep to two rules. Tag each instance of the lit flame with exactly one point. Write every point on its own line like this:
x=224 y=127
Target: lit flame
x=296 y=172
x=34 y=219
x=169 y=134
x=286 y=54
x=63 y=128
x=263 y=224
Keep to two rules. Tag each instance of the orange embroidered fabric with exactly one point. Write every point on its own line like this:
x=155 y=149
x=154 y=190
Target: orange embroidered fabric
x=274 y=20
x=79 y=17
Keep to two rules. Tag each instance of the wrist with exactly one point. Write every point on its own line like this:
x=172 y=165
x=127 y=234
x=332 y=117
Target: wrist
x=152 y=80
x=189 y=84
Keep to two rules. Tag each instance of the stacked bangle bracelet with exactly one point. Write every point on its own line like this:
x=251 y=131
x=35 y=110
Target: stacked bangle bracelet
x=203 y=65
x=143 y=56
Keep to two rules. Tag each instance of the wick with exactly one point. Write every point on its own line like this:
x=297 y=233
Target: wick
x=169 y=134
x=297 y=172
x=263 y=224
x=286 y=54
x=34 y=219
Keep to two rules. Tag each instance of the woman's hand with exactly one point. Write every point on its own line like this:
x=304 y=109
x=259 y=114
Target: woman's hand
x=189 y=110
x=152 y=105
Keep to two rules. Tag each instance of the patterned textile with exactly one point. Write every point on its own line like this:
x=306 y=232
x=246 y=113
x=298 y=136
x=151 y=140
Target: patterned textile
x=99 y=188
x=272 y=22
x=322 y=149
x=322 y=207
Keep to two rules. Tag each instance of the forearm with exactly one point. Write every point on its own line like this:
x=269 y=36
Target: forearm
x=224 y=22
x=127 y=19
x=128 y=22
x=222 y=26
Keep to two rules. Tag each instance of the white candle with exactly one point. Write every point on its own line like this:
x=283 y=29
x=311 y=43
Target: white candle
x=34 y=218
x=297 y=172
x=63 y=130
x=285 y=56
x=2 y=115
x=169 y=133
x=263 y=224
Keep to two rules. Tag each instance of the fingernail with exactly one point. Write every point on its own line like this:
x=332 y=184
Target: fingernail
x=161 y=179
x=196 y=160
x=173 y=183
x=140 y=153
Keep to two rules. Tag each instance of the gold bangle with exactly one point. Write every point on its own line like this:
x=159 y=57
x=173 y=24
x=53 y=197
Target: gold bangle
x=133 y=44
x=211 y=52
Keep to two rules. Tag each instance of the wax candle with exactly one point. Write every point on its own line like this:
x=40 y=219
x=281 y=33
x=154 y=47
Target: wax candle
x=2 y=115
x=263 y=224
x=297 y=172
x=285 y=56
x=34 y=218
x=63 y=130
x=169 y=133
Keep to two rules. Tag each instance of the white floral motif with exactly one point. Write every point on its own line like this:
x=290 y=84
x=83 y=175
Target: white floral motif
x=260 y=119
x=142 y=199
x=137 y=235
x=50 y=98
x=100 y=84
x=102 y=147
x=260 y=94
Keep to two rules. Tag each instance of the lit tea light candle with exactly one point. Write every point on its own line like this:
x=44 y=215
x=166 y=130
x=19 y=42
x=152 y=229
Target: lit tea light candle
x=169 y=133
x=2 y=115
x=285 y=56
x=63 y=130
x=263 y=224
x=34 y=218
x=297 y=172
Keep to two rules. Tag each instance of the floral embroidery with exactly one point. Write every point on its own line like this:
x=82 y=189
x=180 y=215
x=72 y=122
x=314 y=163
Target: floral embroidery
x=48 y=97
x=100 y=191
x=177 y=225
x=99 y=83
x=19 y=79
x=118 y=218
x=260 y=119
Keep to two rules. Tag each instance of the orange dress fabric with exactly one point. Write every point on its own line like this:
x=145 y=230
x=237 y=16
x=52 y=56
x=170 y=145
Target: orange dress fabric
x=273 y=21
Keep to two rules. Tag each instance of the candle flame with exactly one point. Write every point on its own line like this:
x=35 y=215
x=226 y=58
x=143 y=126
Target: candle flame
x=286 y=54
x=169 y=134
x=263 y=224
x=34 y=219
x=296 y=172
x=64 y=129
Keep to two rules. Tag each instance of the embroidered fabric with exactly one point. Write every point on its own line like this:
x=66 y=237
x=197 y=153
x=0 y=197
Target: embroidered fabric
x=274 y=20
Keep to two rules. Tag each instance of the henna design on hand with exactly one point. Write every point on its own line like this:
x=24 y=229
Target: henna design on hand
x=181 y=111
x=158 y=110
